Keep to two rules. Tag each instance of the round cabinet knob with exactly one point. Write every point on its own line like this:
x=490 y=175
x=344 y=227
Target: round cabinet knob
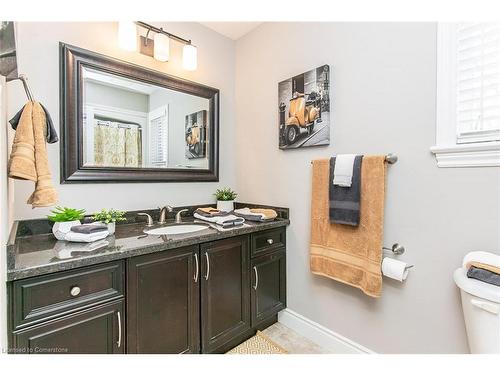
x=75 y=291
x=270 y=241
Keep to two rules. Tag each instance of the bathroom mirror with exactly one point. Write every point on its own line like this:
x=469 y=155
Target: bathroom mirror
x=123 y=122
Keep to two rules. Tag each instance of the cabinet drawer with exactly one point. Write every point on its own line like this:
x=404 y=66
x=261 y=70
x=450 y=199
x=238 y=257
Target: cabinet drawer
x=267 y=241
x=39 y=298
x=98 y=330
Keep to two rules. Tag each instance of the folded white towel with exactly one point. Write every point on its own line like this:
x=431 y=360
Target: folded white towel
x=342 y=174
x=228 y=220
x=81 y=237
x=481 y=257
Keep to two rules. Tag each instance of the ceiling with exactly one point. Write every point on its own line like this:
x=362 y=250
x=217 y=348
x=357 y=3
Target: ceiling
x=233 y=30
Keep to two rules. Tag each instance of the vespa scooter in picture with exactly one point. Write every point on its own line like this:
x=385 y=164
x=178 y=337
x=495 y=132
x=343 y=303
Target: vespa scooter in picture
x=304 y=112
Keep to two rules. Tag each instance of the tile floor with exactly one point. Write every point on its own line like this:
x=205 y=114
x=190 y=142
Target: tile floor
x=292 y=341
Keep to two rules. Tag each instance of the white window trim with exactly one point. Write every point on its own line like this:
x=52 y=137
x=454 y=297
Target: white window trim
x=449 y=153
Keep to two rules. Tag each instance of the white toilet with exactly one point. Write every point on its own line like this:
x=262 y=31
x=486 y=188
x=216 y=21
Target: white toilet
x=481 y=306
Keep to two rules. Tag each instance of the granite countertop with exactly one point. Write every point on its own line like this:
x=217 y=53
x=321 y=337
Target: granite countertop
x=39 y=254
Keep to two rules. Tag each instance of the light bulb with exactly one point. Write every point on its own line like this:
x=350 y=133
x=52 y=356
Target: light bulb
x=189 y=57
x=161 y=47
x=127 y=35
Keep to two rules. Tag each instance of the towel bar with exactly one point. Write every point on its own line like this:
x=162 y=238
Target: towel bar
x=389 y=158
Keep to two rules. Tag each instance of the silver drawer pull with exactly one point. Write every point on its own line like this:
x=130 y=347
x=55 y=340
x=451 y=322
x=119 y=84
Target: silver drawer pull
x=75 y=291
x=270 y=241
x=208 y=266
x=256 y=278
x=119 y=342
x=197 y=268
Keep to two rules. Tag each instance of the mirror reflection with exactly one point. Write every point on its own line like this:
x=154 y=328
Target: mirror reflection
x=133 y=124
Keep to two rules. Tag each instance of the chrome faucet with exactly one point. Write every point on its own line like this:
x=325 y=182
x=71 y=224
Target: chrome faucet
x=178 y=218
x=163 y=214
x=150 y=222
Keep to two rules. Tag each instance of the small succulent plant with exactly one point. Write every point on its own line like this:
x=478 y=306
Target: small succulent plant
x=63 y=214
x=109 y=216
x=225 y=194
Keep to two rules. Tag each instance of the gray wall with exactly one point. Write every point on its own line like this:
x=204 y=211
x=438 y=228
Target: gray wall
x=96 y=93
x=38 y=58
x=383 y=100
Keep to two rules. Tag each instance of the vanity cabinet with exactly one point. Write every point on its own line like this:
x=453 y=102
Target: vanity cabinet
x=202 y=298
x=163 y=302
x=225 y=297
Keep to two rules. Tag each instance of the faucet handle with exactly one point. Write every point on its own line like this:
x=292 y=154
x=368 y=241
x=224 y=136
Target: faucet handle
x=150 y=219
x=178 y=218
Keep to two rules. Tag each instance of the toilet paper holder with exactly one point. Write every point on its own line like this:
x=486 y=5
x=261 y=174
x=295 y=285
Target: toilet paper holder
x=397 y=249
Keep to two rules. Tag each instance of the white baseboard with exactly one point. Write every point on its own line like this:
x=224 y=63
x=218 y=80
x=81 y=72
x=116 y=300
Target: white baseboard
x=320 y=335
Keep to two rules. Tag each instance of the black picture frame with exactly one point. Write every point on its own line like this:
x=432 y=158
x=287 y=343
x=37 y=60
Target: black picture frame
x=72 y=60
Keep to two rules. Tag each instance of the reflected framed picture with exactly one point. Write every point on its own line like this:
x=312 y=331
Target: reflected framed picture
x=196 y=135
x=304 y=109
x=8 y=60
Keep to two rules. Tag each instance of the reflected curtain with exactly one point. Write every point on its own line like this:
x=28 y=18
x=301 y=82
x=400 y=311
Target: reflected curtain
x=116 y=146
x=133 y=147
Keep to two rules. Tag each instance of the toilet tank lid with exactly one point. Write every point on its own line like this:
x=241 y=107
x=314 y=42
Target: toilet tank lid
x=475 y=287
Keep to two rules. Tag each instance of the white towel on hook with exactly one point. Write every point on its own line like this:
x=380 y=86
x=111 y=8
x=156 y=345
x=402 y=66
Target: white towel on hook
x=342 y=174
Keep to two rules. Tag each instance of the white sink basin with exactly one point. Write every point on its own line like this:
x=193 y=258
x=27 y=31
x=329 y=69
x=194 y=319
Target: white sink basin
x=176 y=229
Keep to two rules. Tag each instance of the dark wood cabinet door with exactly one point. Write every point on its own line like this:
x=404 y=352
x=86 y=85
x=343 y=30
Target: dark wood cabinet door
x=163 y=302
x=98 y=330
x=268 y=286
x=225 y=293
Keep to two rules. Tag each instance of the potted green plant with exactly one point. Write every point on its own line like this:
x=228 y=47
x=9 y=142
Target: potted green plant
x=225 y=199
x=110 y=218
x=64 y=218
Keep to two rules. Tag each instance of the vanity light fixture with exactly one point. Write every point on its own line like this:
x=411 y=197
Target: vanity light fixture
x=159 y=46
x=189 y=57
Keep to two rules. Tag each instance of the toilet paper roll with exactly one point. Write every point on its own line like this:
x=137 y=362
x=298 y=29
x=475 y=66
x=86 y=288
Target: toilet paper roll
x=395 y=269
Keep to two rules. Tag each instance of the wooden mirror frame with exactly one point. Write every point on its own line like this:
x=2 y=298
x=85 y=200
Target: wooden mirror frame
x=72 y=60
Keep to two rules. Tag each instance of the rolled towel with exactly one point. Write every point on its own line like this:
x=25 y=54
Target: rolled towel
x=256 y=214
x=267 y=212
x=89 y=228
x=80 y=237
x=344 y=165
x=484 y=275
x=223 y=221
x=249 y=215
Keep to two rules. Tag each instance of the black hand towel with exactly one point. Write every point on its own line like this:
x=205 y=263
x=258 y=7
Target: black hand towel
x=51 y=131
x=344 y=201
x=483 y=275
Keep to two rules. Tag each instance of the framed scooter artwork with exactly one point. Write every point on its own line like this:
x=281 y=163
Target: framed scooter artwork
x=304 y=109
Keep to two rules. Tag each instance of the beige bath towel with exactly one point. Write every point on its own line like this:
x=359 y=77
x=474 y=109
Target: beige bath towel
x=28 y=160
x=351 y=255
x=22 y=156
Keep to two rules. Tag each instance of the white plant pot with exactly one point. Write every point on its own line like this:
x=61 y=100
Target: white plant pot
x=225 y=206
x=111 y=227
x=60 y=230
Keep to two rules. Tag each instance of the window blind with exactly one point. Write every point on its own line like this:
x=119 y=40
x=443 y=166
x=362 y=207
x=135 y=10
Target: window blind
x=478 y=82
x=159 y=141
